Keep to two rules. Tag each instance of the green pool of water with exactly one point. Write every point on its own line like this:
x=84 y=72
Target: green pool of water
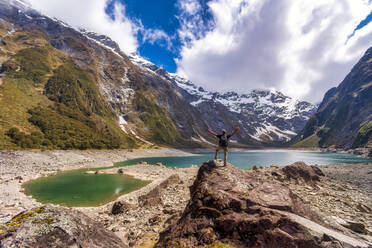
x=76 y=188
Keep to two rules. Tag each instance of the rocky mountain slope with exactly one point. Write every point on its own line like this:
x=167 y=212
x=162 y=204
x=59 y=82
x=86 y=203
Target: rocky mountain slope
x=344 y=118
x=267 y=116
x=66 y=88
x=233 y=208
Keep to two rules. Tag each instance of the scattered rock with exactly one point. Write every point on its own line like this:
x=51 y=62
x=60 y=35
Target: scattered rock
x=160 y=165
x=91 y=172
x=169 y=211
x=154 y=220
x=121 y=207
x=356 y=227
x=18 y=178
x=364 y=208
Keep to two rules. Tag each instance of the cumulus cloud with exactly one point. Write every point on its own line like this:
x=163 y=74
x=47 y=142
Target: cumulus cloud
x=298 y=47
x=91 y=15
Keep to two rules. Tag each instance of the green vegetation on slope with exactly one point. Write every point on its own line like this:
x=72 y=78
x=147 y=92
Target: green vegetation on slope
x=47 y=101
x=19 y=91
x=73 y=87
x=364 y=136
x=162 y=129
x=311 y=141
x=31 y=64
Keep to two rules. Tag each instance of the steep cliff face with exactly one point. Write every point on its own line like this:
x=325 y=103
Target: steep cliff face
x=50 y=98
x=344 y=117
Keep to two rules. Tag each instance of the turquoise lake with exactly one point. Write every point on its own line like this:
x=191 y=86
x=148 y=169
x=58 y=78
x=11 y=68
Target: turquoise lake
x=77 y=188
x=246 y=160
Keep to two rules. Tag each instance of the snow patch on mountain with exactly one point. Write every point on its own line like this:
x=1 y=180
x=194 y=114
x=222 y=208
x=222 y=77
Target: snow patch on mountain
x=271 y=102
x=273 y=115
x=102 y=40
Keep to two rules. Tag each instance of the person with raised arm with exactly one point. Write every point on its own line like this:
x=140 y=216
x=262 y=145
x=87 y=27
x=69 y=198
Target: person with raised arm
x=223 y=142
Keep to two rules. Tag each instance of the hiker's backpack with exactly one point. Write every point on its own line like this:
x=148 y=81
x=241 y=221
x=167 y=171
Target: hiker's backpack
x=223 y=141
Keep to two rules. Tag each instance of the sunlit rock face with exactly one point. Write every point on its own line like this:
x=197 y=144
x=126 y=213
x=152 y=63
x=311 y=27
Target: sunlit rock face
x=234 y=208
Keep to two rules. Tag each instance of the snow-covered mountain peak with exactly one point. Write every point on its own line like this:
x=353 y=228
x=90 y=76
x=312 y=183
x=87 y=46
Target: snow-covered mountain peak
x=273 y=115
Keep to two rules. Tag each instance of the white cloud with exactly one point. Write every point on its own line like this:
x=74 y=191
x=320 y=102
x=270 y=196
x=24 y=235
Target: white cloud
x=91 y=15
x=298 y=47
x=157 y=36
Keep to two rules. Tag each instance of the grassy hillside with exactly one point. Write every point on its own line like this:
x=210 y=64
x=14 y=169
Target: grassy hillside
x=364 y=136
x=48 y=101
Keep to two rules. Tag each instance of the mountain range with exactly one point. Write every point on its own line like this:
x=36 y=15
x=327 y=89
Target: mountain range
x=68 y=88
x=344 y=117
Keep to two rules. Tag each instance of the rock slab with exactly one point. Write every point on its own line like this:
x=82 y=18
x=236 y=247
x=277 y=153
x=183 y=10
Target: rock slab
x=52 y=226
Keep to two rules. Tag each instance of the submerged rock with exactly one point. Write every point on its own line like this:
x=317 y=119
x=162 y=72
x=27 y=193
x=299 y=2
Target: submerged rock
x=52 y=226
x=231 y=207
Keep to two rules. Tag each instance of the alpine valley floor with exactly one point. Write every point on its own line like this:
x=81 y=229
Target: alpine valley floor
x=344 y=193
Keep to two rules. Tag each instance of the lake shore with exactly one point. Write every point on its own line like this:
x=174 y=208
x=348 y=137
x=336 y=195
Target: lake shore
x=345 y=188
x=17 y=167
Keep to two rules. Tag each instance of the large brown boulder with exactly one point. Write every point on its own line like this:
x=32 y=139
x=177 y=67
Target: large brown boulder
x=152 y=198
x=300 y=172
x=60 y=227
x=171 y=180
x=120 y=207
x=230 y=206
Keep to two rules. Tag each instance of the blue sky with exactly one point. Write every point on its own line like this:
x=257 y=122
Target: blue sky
x=301 y=48
x=361 y=25
x=160 y=15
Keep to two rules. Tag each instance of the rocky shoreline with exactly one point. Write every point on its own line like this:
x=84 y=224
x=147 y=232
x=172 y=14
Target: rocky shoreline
x=364 y=152
x=17 y=167
x=137 y=218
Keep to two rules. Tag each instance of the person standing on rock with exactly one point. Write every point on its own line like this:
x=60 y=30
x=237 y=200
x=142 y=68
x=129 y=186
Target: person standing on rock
x=223 y=142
